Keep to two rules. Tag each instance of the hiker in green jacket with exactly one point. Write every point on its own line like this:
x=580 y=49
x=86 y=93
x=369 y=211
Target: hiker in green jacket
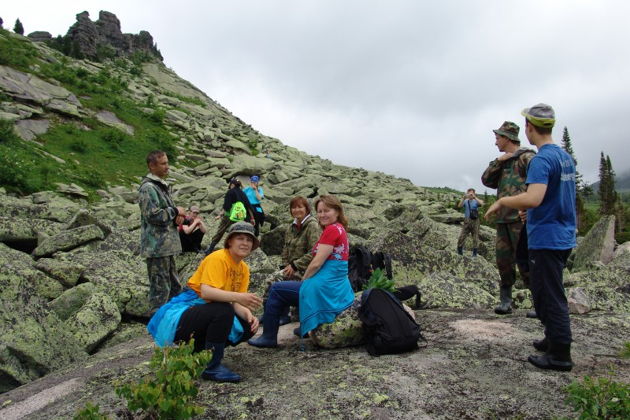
x=507 y=174
x=233 y=196
x=159 y=240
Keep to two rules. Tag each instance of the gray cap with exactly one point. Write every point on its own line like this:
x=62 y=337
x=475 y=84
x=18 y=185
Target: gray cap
x=242 y=227
x=540 y=115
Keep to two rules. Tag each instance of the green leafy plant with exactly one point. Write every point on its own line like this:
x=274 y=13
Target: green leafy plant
x=599 y=398
x=170 y=393
x=378 y=280
x=90 y=412
x=625 y=352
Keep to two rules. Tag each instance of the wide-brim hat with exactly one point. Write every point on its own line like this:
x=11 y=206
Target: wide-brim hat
x=242 y=227
x=510 y=130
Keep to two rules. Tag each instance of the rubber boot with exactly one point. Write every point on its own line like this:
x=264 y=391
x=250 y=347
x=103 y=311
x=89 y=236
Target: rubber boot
x=209 y=250
x=269 y=336
x=541 y=345
x=532 y=314
x=460 y=250
x=557 y=357
x=474 y=254
x=215 y=371
x=505 y=307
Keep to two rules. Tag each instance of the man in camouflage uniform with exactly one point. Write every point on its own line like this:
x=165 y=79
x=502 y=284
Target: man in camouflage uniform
x=507 y=174
x=159 y=239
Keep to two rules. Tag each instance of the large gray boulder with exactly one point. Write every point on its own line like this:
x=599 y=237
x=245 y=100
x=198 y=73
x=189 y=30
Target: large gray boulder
x=94 y=321
x=67 y=240
x=597 y=246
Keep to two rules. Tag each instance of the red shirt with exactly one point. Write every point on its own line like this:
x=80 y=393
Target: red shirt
x=336 y=236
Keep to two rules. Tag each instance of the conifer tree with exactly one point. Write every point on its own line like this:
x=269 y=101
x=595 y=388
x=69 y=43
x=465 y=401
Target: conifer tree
x=18 y=28
x=582 y=189
x=607 y=193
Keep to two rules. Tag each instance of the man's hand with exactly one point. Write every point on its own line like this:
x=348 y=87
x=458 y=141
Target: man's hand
x=493 y=209
x=249 y=300
x=505 y=156
x=523 y=215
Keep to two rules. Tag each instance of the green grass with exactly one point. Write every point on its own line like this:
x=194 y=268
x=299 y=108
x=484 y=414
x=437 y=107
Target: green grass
x=95 y=154
x=15 y=52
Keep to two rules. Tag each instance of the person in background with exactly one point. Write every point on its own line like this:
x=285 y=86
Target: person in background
x=216 y=309
x=191 y=230
x=551 y=235
x=255 y=195
x=507 y=174
x=325 y=289
x=233 y=196
x=159 y=241
x=470 y=202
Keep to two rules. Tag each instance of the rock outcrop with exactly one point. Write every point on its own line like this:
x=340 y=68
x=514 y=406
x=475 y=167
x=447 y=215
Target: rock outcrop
x=90 y=38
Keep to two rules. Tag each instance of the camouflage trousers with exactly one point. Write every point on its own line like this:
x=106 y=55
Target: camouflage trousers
x=507 y=240
x=163 y=280
x=470 y=227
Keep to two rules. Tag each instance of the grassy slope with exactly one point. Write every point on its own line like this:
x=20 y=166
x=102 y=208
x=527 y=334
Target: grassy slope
x=94 y=153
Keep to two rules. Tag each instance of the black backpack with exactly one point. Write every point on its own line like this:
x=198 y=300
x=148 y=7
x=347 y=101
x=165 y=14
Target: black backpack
x=388 y=328
x=359 y=267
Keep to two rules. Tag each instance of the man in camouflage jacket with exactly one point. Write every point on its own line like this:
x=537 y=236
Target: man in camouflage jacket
x=159 y=239
x=507 y=174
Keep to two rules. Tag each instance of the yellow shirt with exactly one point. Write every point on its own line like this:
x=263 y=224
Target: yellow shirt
x=220 y=271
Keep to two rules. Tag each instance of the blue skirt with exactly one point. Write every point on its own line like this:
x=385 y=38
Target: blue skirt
x=163 y=324
x=325 y=295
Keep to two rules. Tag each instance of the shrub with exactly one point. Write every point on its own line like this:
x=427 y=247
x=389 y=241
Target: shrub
x=79 y=146
x=599 y=398
x=6 y=131
x=170 y=393
x=90 y=412
x=625 y=353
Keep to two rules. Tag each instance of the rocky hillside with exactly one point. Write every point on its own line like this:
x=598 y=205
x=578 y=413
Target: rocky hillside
x=73 y=137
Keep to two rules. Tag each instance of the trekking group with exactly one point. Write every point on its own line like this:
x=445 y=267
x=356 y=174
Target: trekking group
x=216 y=309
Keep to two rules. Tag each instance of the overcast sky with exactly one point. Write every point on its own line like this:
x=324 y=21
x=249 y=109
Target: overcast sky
x=410 y=88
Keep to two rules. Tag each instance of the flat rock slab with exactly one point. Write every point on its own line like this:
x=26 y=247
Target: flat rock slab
x=67 y=240
x=474 y=366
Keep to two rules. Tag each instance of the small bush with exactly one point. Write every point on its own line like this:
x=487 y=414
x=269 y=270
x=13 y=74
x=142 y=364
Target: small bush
x=90 y=412
x=599 y=398
x=378 y=280
x=6 y=131
x=170 y=393
x=625 y=353
x=79 y=146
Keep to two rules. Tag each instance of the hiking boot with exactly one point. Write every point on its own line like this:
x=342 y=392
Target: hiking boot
x=541 y=345
x=531 y=314
x=215 y=371
x=474 y=253
x=557 y=357
x=296 y=332
x=505 y=307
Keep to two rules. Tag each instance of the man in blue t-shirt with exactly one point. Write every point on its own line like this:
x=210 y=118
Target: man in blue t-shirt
x=471 y=204
x=551 y=228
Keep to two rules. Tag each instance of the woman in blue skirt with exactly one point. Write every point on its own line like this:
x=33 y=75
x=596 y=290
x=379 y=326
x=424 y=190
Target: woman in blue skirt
x=325 y=290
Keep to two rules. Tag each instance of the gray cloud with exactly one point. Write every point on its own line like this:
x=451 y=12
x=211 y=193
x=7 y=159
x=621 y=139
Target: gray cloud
x=409 y=88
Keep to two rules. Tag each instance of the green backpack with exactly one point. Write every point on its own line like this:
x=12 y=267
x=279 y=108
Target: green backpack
x=238 y=212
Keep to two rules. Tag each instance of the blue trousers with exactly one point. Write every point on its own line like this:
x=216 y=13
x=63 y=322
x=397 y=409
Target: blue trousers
x=550 y=300
x=282 y=295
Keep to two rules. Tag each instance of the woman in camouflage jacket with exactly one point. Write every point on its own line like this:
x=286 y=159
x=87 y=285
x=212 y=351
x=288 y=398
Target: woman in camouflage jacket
x=299 y=239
